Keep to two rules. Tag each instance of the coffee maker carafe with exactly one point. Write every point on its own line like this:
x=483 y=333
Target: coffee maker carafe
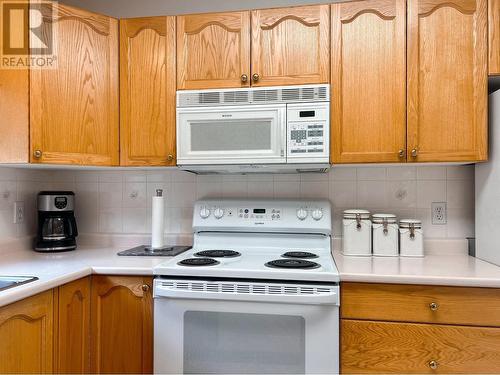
x=56 y=222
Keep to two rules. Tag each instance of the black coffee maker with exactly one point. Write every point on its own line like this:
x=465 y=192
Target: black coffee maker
x=56 y=222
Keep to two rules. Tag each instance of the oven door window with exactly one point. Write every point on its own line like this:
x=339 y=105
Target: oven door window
x=224 y=342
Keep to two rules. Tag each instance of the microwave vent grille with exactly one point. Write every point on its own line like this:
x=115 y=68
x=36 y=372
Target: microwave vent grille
x=271 y=95
x=235 y=97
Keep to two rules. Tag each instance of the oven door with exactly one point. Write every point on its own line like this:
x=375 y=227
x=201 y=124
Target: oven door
x=250 y=134
x=248 y=332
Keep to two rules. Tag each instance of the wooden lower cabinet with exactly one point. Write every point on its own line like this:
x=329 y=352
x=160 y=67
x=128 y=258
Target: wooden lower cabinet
x=26 y=335
x=386 y=347
x=392 y=328
x=72 y=311
x=121 y=324
x=421 y=304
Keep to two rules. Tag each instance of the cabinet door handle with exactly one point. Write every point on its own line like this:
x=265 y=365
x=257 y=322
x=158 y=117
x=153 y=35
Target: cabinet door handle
x=37 y=154
x=255 y=77
x=414 y=153
x=433 y=306
x=145 y=288
x=170 y=157
x=244 y=78
x=401 y=153
x=433 y=365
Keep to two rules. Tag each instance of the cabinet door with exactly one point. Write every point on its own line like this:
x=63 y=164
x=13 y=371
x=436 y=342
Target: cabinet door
x=147 y=91
x=26 y=335
x=74 y=107
x=368 y=114
x=447 y=80
x=121 y=324
x=494 y=36
x=73 y=328
x=290 y=46
x=213 y=50
x=397 y=348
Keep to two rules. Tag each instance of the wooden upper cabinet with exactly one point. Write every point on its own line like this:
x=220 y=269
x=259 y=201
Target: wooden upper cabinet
x=494 y=36
x=447 y=80
x=73 y=328
x=122 y=324
x=213 y=50
x=290 y=46
x=147 y=91
x=26 y=331
x=14 y=113
x=368 y=91
x=74 y=107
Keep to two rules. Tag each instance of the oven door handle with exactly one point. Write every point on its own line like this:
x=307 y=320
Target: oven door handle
x=330 y=298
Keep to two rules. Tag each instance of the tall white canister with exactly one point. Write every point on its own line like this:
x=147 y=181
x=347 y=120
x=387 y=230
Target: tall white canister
x=411 y=238
x=385 y=235
x=357 y=233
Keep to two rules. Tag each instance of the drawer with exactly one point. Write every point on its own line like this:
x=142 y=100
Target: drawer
x=421 y=304
x=384 y=347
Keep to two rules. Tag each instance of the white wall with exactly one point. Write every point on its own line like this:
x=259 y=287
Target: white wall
x=119 y=201
x=20 y=185
x=142 y=8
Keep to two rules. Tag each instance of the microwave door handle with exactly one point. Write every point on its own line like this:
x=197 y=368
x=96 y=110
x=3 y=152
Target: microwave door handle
x=330 y=298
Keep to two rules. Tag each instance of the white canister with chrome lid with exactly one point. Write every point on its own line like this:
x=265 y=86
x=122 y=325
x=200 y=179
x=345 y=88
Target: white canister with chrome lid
x=385 y=235
x=357 y=233
x=411 y=238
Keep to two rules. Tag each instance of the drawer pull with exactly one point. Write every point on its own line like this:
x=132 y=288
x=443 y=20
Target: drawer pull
x=433 y=306
x=145 y=288
x=433 y=365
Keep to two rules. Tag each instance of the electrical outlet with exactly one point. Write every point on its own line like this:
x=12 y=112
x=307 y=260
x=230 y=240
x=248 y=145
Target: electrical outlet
x=438 y=213
x=18 y=212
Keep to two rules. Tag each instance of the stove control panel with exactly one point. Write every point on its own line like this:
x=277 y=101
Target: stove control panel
x=267 y=215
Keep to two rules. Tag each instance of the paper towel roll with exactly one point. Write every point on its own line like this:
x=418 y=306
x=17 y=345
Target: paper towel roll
x=158 y=220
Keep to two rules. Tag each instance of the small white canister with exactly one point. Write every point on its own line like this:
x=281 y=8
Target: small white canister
x=385 y=235
x=357 y=233
x=411 y=238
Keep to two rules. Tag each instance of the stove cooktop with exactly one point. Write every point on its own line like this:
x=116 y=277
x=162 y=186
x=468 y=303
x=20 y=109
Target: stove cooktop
x=287 y=240
x=264 y=263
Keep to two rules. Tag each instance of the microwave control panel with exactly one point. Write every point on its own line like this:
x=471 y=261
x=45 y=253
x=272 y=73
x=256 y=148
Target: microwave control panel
x=308 y=135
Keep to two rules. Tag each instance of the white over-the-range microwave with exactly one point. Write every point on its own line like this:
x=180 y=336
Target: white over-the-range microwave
x=268 y=129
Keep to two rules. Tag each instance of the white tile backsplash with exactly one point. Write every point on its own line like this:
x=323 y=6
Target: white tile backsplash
x=120 y=201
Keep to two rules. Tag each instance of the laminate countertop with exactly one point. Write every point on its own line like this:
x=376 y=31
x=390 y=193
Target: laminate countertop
x=100 y=257
x=53 y=270
x=434 y=269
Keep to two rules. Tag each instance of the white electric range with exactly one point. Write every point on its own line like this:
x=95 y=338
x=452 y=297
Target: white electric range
x=258 y=293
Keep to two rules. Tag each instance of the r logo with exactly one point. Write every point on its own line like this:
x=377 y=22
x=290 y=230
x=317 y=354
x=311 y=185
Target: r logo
x=27 y=28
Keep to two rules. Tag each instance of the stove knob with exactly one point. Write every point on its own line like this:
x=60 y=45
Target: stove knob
x=301 y=214
x=218 y=213
x=204 y=212
x=317 y=214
